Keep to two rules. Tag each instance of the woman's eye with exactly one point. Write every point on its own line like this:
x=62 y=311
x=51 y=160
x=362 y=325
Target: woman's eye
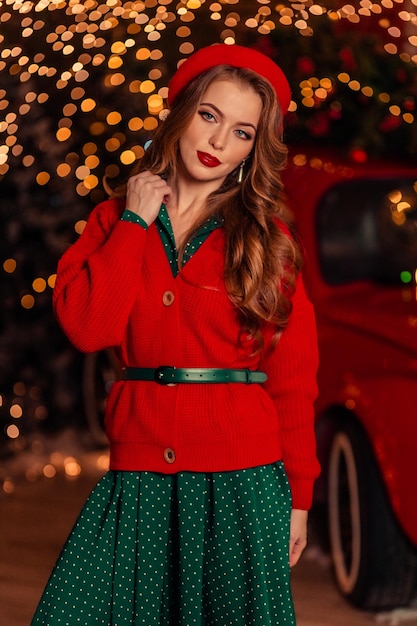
x=243 y=134
x=207 y=116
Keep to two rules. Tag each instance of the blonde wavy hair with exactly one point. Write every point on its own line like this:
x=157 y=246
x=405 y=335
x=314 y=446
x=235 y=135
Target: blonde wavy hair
x=262 y=259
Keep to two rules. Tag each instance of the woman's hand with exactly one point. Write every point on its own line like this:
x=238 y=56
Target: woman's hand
x=298 y=534
x=145 y=194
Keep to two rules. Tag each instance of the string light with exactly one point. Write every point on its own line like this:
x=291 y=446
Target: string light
x=71 y=37
x=55 y=53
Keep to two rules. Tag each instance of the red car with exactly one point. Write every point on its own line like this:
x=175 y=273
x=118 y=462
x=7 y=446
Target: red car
x=358 y=224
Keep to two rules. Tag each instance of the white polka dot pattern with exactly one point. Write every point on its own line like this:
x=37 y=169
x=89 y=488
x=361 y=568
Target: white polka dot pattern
x=164 y=226
x=177 y=550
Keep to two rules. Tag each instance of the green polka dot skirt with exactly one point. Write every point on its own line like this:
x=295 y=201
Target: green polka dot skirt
x=177 y=550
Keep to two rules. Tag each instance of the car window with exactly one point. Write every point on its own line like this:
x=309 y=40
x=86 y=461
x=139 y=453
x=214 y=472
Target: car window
x=367 y=230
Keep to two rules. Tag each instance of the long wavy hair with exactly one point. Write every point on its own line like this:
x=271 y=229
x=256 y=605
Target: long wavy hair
x=262 y=259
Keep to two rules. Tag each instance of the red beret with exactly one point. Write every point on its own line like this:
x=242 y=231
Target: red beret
x=236 y=56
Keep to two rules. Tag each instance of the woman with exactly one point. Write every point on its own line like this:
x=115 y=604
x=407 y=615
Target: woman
x=194 y=279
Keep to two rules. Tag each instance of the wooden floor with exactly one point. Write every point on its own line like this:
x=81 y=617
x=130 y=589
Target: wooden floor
x=37 y=516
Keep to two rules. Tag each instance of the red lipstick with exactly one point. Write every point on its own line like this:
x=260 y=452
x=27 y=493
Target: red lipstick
x=207 y=159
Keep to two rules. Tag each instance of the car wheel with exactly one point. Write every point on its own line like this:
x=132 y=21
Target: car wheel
x=374 y=564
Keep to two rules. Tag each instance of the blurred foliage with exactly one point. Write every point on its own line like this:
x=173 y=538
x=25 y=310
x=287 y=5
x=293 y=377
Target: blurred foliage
x=380 y=125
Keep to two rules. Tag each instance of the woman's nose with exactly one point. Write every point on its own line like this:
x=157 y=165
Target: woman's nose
x=218 y=140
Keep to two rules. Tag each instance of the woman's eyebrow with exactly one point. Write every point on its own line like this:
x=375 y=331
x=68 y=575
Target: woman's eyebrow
x=213 y=106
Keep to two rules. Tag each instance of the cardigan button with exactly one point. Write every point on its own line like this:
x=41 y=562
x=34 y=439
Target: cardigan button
x=168 y=298
x=169 y=455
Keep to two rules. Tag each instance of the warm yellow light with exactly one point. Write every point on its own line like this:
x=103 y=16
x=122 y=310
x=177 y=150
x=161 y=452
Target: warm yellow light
x=72 y=468
x=79 y=226
x=91 y=181
x=127 y=157
x=52 y=280
x=138 y=151
x=354 y=85
x=395 y=196
x=308 y=102
x=343 y=77
x=317 y=9
x=113 y=118
x=147 y=86
x=135 y=124
x=8 y=486
x=384 y=97
x=398 y=218
x=63 y=170
x=403 y=206
x=12 y=431
x=27 y=301
x=115 y=62
x=9 y=266
x=150 y=123
x=142 y=54
x=395 y=110
x=103 y=462
x=39 y=285
x=321 y=94
x=155 y=101
x=112 y=144
x=82 y=41
x=326 y=83
x=92 y=161
x=333 y=16
x=82 y=172
x=117 y=79
x=89 y=148
x=16 y=411
x=183 y=31
x=367 y=91
x=43 y=178
x=390 y=48
x=69 y=109
x=63 y=134
x=49 y=471
x=118 y=47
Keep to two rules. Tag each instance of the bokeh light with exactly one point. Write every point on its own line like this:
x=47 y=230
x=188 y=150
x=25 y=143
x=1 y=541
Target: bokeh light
x=61 y=51
x=84 y=83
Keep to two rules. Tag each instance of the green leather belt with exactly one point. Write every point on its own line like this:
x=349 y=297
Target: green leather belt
x=166 y=374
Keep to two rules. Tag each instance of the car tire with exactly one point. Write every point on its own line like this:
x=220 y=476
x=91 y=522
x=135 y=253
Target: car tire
x=374 y=564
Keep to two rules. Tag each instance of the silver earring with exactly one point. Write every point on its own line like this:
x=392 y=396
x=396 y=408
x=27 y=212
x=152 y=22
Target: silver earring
x=240 y=174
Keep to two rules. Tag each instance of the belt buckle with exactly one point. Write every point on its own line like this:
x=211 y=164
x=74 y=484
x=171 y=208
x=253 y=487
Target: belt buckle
x=162 y=374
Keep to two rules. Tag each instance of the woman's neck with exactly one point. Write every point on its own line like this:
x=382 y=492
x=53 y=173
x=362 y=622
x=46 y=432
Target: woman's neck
x=186 y=206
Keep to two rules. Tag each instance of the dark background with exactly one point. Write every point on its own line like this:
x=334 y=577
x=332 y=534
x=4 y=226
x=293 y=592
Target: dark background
x=42 y=211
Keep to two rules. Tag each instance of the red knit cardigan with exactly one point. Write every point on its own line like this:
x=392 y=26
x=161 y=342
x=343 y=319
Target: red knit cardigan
x=115 y=288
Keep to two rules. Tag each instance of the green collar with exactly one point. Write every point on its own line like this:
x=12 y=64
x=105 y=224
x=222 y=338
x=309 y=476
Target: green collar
x=164 y=226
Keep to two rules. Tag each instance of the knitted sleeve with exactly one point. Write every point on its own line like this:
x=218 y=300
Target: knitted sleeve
x=292 y=369
x=95 y=287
